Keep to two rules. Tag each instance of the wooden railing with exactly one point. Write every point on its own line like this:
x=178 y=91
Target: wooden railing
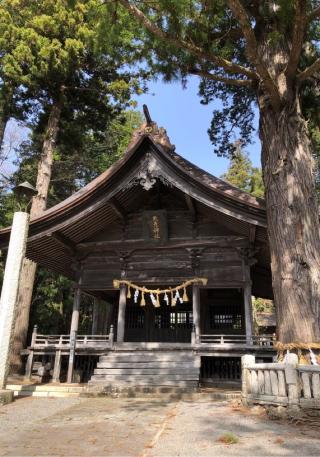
x=260 y=340
x=63 y=341
x=287 y=384
x=309 y=380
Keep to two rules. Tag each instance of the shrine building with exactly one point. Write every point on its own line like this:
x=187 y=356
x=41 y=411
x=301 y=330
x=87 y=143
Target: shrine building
x=172 y=256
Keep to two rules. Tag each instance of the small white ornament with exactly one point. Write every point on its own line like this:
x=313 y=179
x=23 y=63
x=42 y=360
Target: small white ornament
x=153 y=300
x=166 y=298
x=178 y=297
x=136 y=295
x=313 y=357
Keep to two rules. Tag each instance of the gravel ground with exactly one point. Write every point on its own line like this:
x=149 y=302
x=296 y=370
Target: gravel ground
x=145 y=428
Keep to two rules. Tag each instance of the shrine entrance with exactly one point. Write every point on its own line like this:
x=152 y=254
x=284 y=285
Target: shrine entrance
x=165 y=324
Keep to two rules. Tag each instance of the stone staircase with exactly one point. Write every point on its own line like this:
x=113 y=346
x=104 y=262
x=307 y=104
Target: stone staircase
x=147 y=368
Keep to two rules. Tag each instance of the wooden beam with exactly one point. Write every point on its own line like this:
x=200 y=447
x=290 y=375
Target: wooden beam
x=220 y=241
x=191 y=206
x=252 y=234
x=118 y=209
x=65 y=242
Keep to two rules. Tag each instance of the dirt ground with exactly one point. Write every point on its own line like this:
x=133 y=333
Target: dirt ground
x=146 y=428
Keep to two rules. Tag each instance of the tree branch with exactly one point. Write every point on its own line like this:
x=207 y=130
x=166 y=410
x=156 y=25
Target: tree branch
x=196 y=51
x=309 y=71
x=229 y=81
x=314 y=14
x=298 y=34
x=252 y=50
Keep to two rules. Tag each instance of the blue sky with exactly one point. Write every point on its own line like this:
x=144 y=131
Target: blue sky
x=179 y=111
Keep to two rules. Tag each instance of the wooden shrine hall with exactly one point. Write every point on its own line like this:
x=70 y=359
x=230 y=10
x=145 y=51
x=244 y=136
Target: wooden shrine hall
x=176 y=253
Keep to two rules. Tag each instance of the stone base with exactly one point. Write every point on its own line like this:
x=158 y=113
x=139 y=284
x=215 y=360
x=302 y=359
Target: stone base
x=6 y=396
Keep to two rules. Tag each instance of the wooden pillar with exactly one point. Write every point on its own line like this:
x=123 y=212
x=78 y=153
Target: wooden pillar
x=196 y=310
x=121 y=313
x=29 y=364
x=57 y=367
x=73 y=331
x=95 y=316
x=100 y=315
x=247 y=297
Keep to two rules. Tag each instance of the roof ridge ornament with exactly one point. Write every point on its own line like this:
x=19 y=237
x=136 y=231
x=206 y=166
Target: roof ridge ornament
x=149 y=127
x=148 y=174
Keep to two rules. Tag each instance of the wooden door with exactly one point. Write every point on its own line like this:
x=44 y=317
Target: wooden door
x=165 y=324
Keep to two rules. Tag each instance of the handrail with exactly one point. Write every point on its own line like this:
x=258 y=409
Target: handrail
x=64 y=340
x=260 y=340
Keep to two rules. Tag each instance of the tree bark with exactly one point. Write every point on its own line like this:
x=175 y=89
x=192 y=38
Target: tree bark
x=38 y=206
x=3 y=122
x=293 y=221
x=5 y=109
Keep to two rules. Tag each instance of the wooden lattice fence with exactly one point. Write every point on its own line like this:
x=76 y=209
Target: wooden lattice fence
x=285 y=384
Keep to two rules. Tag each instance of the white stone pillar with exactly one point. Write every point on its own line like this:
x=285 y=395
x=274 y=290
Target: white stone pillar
x=246 y=360
x=75 y=311
x=10 y=288
x=247 y=296
x=196 y=310
x=122 y=313
x=73 y=332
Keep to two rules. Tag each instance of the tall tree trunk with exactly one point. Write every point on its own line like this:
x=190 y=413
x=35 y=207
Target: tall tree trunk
x=6 y=97
x=3 y=122
x=38 y=206
x=293 y=221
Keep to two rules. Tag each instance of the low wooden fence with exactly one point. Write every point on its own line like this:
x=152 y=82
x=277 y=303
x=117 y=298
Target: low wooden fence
x=63 y=341
x=253 y=340
x=57 y=346
x=286 y=384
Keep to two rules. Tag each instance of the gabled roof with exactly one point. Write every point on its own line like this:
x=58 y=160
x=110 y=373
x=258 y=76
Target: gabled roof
x=85 y=212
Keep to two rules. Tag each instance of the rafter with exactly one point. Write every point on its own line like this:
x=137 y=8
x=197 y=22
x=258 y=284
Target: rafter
x=252 y=234
x=65 y=242
x=191 y=206
x=118 y=209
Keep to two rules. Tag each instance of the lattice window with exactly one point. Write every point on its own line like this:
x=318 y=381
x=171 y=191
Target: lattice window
x=220 y=369
x=135 y=317
x=177 y=319
x=226 y=317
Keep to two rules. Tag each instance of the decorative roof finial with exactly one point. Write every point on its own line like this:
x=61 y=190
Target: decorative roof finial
x=147 y=115
x=149 y=127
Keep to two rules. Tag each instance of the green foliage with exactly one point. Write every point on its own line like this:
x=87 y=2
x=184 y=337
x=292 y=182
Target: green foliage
x=194 y=36
x=51 y=303
x=49 y=51
x=81 y=154
x=243 y=175
x=228 y=438
x=88 y=154
x=263 y=305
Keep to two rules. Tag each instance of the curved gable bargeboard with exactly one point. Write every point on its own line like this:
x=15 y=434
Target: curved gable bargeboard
x=54 y=236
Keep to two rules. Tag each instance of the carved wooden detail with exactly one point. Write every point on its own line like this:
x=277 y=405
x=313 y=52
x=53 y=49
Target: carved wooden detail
x=148 y=174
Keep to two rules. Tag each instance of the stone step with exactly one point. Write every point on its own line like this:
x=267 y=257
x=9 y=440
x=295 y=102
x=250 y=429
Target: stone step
x=147 y=371
x=105 y=384
x=146 y=378
x=133 y=357
x=153 y=364
x=46 y=390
